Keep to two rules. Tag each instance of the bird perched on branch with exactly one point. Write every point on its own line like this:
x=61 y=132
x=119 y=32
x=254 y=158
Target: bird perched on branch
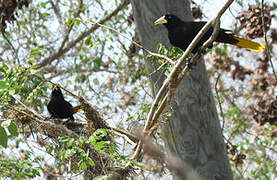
x=60 y=108
x=181 y=33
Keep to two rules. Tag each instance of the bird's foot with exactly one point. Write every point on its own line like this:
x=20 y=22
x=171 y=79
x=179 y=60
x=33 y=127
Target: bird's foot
x=197 y=55
x=190 y=65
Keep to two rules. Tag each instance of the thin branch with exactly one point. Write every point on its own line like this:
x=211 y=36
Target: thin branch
x=68 y=31
x=219 y=103
x=266 y=43
x=73 y=43
x=131 y=139
x=37 y=117
x=58 y=15
x=154 y=114
x=11 y=45
x=137 y=44
x=156 y=70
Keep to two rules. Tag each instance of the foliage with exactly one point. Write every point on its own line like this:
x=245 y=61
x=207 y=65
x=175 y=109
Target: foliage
x=27 y=167
x=74 y=147
x=11 y=128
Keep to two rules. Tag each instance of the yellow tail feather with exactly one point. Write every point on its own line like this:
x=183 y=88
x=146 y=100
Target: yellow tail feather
x=77 y=109
x=244 y=43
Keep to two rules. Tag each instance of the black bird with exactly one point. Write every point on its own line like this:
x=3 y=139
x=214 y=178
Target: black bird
x=60 y=108
x=181 y=33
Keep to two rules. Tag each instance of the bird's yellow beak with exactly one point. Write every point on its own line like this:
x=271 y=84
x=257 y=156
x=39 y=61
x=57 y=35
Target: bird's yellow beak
x=161 y=20
x=55 y=88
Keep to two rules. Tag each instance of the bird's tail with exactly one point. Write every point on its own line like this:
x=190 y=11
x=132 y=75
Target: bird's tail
x=77 y=109
x=251 y=45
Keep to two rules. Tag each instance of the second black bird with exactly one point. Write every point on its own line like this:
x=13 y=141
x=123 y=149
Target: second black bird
x=58 y=107
x=181 y=33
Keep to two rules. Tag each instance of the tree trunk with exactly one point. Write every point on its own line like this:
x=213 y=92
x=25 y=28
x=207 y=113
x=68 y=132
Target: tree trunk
x=193 y=131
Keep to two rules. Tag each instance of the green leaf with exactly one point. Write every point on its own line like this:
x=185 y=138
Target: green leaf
x=31 y=61
x=13 y=129
x=69 y=21
x=36 y=50
x=96 y=81
x=3 y=137
x=138 y=165
x=43 y=4
x=3 y=85
x=70 y=142
x=67 y=153
x=83 y=166
x=90 y=161
x=101 y=132
x=77 y=21
x=88 y=41
x=97 y=63
x=64 y=138
x=95 y=44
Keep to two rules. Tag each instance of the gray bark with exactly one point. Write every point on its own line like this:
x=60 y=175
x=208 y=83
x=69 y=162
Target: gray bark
x=193 y=132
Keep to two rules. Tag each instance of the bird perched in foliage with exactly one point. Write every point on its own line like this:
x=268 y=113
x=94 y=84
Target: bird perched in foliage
x=181 y=33
x=60 y=108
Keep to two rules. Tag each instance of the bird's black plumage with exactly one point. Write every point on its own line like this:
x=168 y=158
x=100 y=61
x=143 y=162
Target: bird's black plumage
x=181 y=33
x=58 y=107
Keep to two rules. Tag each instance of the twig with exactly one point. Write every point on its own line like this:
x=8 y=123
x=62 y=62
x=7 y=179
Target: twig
x=219 y=103
x=137 y=44
x=72 y=43
x=156 y=70
x=154 y=114
x=58 y=14
x=71 y=26
x=36 y=117
x=266 y=44
x=11 y=45
x=131 y=139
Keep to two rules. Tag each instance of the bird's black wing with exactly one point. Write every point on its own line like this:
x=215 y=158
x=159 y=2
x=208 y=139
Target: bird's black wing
x=52 y=109
x=225 y=36
x=183 y=34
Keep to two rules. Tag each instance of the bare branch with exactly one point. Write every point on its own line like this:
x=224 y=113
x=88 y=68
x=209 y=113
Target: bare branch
x=73 y=43
x=219 y=102
x=71 y=26
x=137 y=44
x=11 y=45
x=58 y=15
x=266 y=43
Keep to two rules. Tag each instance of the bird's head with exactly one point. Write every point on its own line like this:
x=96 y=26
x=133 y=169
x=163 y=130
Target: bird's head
x=169 y=20
x=56 y=92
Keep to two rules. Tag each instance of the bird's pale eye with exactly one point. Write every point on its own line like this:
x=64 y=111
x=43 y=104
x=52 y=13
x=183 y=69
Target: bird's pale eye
x=169 y=17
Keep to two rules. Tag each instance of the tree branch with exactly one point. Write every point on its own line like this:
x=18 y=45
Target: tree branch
x=58 y=15
x=266 y=43
x=137 y=44
x=72 y=43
